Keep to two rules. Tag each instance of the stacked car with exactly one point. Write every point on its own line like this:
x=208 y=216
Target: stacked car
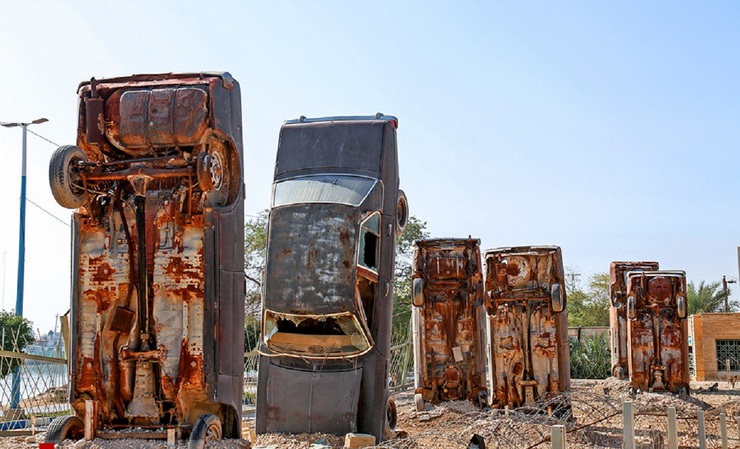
x=157 y=294
x=657 y=331
x=448 y=321
x=528 y=324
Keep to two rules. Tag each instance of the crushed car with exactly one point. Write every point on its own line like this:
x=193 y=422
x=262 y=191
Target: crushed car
x=618 y=312
x=448 y=322
x=328 y=284
x=529 y=360
x=657 y=331
x=157 y=298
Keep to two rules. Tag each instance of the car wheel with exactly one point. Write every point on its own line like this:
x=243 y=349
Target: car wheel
x=217 y=173
x=65 y=428
x=64 y=179
x=391 y=418
x=207 y=429
x=402 y=213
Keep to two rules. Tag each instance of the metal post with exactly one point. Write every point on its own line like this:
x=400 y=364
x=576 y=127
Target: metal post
x=15 y=388
x=702 y=430
x=672 y=429
x=628 y=414
x=557 y=435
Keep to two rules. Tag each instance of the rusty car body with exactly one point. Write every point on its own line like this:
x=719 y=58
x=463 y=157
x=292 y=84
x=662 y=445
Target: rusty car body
x=529 y=358
x=328 y=283
x=157 y=300
x=448 y=321
x=618 y=312
x=657 y=331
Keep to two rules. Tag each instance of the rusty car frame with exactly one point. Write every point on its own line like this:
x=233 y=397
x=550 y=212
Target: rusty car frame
x=157 y=298
x=529 y=361
x=448 y=322
x=328 y=283
x=618 y=312
x=657 y=331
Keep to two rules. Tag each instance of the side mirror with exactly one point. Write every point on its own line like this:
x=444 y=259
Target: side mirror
x=417 y=292
x=556 y=298
x=681 y=305
x=631 y=307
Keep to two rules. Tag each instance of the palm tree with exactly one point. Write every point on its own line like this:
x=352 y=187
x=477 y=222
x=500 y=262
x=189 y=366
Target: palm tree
x=708 y=298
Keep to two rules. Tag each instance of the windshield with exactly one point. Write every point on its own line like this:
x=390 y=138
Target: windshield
x=340 y=189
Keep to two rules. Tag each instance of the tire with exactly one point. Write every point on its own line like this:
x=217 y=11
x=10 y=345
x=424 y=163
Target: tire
x=391 y=418
x=65 y=428
x=417 y=292
x=402 y=213
x=64 y=179
x=631 y=307
x=218 y=175
x=556 y=298
x=207 y=429
x=681 y=306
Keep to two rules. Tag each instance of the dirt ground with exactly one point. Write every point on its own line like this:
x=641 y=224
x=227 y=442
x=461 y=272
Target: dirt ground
x=596 y=422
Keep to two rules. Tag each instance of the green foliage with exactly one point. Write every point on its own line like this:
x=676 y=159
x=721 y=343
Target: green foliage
x=16 y=333
x=590 y=358
x=589 y=307
x=708 y=298
x=255 y=250
x=415 y=230
x=251 y=332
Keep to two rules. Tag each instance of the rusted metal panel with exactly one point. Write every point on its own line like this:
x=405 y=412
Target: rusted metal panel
x=449 y=321
x=618 y=311
x=528 y=324
x=657 y=331
x=328 y=289
x=157 y=290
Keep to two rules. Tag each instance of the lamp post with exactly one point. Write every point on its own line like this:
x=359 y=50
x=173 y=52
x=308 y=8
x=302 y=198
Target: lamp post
x=15 y=391
x=725 y=281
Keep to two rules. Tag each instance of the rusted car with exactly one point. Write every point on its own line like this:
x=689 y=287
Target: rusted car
x=657 y=331
x=448 y=322
x=157 y=300
x=618 y=311
x=529 y=359
x=328 y=283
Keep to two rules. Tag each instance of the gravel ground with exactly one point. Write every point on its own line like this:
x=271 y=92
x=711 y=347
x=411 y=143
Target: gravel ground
x=597 y=422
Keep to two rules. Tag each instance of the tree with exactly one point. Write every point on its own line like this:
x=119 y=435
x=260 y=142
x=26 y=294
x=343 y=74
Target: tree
x=255 y=250
x=708 y=298
x=589 y=307
x=16 y=333
x=415 y=230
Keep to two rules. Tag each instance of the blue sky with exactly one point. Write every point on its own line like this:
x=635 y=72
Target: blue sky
x=610 y=129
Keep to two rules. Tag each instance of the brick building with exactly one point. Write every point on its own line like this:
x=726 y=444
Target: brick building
x=714 y=339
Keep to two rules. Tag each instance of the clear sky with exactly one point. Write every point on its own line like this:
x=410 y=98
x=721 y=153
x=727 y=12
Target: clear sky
x=611 y=129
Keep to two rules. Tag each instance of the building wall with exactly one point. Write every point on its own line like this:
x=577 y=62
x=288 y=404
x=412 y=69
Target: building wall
x=588 y=331
x=704 y=331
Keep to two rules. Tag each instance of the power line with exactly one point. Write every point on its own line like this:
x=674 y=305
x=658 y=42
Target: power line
x=42 y=137
x=48 y=213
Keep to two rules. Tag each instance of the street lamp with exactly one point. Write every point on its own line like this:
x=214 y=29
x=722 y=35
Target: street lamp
x=22 y=234
x=726 y=281
x=15 y=392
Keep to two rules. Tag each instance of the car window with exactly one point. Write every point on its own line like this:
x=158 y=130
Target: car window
x=349 y=190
